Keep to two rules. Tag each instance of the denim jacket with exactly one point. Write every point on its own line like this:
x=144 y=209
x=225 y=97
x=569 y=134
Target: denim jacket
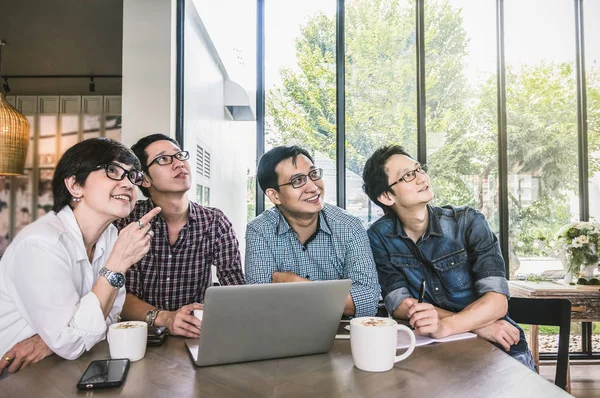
x=459 y=257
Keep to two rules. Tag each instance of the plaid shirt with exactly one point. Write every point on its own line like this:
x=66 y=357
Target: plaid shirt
x=339 y=250
x=169 y=277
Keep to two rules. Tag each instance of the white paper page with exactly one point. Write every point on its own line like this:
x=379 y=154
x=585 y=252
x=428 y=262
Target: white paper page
x=404 y=339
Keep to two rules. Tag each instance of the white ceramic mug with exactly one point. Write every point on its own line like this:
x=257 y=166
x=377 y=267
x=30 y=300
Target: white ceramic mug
x=373 y=342
x=127 y=340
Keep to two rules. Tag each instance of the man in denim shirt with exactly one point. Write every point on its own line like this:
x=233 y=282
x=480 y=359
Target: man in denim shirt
x=451 y=248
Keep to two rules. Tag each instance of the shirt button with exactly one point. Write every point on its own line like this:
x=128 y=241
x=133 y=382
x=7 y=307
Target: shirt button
x=170 y=256
x=452 y=263
x=168 y=279
x=167 y=302
x=437 y=288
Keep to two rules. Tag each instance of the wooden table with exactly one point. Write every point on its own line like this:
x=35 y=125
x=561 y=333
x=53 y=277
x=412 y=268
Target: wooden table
x=585 y=308
x=467 y=368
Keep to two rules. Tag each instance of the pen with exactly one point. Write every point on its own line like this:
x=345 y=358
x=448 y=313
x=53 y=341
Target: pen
x=422 y=290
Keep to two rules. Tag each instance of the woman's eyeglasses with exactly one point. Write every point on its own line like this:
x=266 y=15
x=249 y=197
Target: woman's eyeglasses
x=117 y=173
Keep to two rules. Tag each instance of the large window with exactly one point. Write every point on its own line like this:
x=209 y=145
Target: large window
x=380 y=89
x=300 y=81
x=541 y=127
x=462 y=85
x=460 y=76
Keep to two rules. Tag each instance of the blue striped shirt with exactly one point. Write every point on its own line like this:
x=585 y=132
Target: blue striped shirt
x=339 y=250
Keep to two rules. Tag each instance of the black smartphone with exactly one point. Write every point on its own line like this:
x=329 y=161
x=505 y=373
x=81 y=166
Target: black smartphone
x=156 y=335
x=104 y=373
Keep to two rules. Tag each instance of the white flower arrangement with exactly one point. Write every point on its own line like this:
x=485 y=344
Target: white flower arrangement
x=579 y=240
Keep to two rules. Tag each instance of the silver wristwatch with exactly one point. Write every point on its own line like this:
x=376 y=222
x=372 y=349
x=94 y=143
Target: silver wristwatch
x=116 y=279
x=151 y=316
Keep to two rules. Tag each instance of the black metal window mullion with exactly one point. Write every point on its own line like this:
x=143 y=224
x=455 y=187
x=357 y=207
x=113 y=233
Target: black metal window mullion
x=340 y=88
x=582 y=134
x=260 y=97
x=502 y=137
x=179 y=82
x=421 y=88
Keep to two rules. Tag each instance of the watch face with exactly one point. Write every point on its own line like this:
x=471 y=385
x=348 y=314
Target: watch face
x=117 y=279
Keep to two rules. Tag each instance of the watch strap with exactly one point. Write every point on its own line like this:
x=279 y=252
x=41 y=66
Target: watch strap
x=107 y=274
x=151 y=316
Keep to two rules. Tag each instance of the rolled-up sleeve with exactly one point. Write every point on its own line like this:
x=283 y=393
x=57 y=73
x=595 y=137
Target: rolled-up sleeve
x=360 y=268
x=394 y=286
x=259 y=264
x=44 y=293
x=487 y=263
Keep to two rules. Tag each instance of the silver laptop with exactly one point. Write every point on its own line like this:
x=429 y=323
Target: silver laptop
x=253 y=322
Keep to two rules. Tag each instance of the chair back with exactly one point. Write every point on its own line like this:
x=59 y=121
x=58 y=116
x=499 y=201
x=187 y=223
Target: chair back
x=548 y=312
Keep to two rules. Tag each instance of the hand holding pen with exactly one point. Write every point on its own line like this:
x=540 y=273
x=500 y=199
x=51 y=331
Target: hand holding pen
x=423 y=317
x=422 y=291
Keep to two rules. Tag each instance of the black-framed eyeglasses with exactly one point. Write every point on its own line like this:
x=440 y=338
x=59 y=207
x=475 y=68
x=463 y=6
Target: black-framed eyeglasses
x=300 y=180
x=117 y=173
x=410 y=175
x=164 y=160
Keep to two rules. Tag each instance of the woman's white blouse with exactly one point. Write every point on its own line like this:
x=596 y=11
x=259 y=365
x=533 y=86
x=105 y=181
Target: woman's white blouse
x=45 y=287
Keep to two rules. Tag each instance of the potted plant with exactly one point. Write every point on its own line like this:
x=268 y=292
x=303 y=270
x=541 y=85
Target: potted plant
x=580 y=241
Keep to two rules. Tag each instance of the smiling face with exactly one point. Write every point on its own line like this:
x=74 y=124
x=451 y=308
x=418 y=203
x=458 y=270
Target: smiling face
x=406 y=195
x=169 y=178
x=306 y=200
x=107 y=198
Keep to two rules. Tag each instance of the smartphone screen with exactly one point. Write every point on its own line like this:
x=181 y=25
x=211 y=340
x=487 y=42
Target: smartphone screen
x=104 y=373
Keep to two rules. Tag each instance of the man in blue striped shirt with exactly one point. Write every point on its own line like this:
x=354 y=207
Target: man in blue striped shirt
x=303 y=239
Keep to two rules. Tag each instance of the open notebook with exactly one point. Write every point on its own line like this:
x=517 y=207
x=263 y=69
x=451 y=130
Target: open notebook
x=404 y=340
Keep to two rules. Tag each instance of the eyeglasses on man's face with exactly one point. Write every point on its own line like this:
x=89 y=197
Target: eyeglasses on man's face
x=410 y=175
x=164 y=160
x=300 y=180
x=117 y=173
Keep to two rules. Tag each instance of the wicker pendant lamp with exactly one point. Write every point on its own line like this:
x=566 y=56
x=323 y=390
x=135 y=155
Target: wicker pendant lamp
x=14 y=135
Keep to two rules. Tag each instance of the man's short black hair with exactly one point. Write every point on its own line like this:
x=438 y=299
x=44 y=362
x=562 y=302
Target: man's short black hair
x=375 y=178
x=139 y=148
x=83 y=158
x=266 y=174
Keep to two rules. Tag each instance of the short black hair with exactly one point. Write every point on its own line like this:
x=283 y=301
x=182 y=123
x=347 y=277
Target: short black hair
x=139 y=148
x=266 y=174
x=375 y=179
x=83 y=158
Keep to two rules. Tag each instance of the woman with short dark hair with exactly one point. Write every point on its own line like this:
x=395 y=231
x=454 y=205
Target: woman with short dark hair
x=62 y=277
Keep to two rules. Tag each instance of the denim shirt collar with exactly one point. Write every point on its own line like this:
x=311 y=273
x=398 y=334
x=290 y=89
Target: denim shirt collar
x=283 y=226
x=433 y=228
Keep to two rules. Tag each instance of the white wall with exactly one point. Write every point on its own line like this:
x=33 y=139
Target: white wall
x=205 y=120
x=149 y=68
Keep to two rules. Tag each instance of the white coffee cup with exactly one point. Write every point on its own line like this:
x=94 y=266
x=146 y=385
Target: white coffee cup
x=127 y=340
x=373 y=342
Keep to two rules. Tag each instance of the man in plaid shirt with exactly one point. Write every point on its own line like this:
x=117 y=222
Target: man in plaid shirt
x=303 y=239
x=170 y=281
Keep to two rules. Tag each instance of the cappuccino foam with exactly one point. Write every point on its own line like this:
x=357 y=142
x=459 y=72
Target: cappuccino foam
x=375 y=322
x=128 y=325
